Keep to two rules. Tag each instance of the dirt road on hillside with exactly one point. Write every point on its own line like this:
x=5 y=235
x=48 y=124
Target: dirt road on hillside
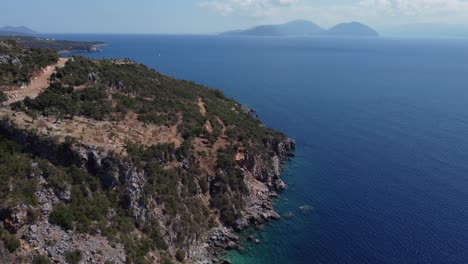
x=37 y=85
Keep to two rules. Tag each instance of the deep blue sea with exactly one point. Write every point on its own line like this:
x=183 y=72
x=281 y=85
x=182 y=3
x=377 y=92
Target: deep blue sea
x=382 y=133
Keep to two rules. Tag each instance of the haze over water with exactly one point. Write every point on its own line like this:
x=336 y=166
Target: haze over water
x=382 y=133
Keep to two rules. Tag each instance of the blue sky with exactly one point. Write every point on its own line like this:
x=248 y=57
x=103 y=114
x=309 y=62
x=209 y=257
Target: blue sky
x=209 y=16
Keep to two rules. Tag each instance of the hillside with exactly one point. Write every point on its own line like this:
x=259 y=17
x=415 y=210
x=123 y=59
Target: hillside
x=16 y=31
x=61 y=46
x=18 y=64
x=114 y=162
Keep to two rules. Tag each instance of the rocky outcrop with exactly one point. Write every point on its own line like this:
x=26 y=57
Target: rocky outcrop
x=249 y=111
x=110 y=169
x=43 y=238
x=93 y=77
x=268 y=169
x=259 y=210
x=14 y=218
x=39 y=237
x=223 y=237
x=58 y=153
x=7 y=59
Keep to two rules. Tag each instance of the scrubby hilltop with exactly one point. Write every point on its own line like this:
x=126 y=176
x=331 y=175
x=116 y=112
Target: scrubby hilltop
x=115 y=162
x=17 y=64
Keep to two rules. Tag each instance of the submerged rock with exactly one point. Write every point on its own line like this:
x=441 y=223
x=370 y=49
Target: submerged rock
x=289 y=215
x=242 y=250
x=232 y=245
x=274 y=215
x=306 y=209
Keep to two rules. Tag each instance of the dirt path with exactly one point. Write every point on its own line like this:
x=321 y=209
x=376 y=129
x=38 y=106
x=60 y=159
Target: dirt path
x=222 y=140
x=208 y=162
x=201 y=104
x=37 y=85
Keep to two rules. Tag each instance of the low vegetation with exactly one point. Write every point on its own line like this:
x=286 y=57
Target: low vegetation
x=54 y=44
x=40 y=259
x=17 y=63
x=73 y=257
x=16 y=184
x=10 y=241
x=117 y=87
x=63 y=102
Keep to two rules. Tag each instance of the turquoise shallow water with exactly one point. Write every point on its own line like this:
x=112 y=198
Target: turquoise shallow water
x=382 y=133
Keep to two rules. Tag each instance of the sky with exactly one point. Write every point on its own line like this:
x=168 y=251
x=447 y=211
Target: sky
x=211 y=16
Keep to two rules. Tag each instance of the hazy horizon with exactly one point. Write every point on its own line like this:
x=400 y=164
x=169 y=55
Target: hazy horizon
x=388 y=17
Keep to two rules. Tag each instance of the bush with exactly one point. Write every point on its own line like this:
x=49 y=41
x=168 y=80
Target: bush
x=62 y=101
x=3 y=97
x=62 y=216
x=16 y=185
x=40 y=259
x=10 y=240
x=180 y=255
x=73 y=257
x=31 y=216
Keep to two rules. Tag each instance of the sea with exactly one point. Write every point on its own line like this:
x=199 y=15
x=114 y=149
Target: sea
x=381 y=124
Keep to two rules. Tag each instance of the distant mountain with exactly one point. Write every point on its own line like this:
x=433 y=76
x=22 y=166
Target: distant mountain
x=16 y=31
x=293 y=28
x=354 y=29
x=306 y=28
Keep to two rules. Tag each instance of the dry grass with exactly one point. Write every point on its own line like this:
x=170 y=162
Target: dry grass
x=112 y=136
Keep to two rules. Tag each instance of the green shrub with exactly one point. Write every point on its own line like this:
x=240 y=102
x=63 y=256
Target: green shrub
x=40 y=259
x=62 y=216
x=73 y=257
x=10 y=240
x=3 y=97
x=16 y=185
x=62 y=101
x=31 y=216
x=180 y=255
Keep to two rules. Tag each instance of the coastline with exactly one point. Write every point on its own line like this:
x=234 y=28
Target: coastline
x=248 y=175
x=260 y=211
x=92 y=49
x=221 y=240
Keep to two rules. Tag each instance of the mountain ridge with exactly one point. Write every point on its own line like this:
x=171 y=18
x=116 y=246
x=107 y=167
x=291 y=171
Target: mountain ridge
x=306 y=28
x=297 y=27
x=352 y=29
x=16 y=31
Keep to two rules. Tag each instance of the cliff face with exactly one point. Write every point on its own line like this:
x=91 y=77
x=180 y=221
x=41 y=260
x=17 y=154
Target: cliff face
x=128 y=165
x=261 y=178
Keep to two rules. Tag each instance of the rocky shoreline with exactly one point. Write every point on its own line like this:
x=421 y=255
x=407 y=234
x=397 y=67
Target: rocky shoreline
x=258 y=212
x=91 y=49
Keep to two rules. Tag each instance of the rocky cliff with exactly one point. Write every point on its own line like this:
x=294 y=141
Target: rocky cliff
x=123 y=164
